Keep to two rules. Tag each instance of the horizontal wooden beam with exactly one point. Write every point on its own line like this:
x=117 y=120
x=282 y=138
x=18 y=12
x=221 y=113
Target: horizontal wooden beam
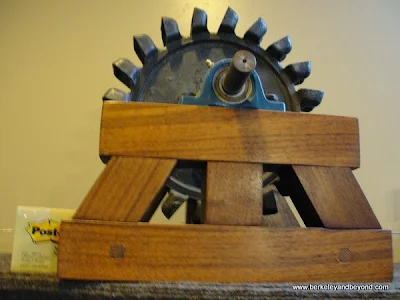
x=92 y=250
x=188 y=132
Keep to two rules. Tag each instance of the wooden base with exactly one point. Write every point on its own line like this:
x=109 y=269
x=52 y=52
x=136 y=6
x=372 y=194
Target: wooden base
x=94 y=250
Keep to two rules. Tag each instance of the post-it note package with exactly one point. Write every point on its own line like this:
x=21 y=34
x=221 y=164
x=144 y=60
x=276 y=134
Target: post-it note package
x=37 y=230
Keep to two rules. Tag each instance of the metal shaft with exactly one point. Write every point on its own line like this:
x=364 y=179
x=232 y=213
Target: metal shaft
x=243 y=62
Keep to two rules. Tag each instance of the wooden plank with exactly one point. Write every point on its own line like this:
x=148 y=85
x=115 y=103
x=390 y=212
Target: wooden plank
x=92 y=250
x=233 y=194
x=191 y=132
x=128 y=189
x=284 y=218
x=329 y=197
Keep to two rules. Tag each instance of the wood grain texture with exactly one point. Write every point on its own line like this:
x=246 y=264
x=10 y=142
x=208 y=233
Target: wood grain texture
x=128 y=189
x=233 y=194
x=191 y=132
x=284 y=218
x=329 y=197
x=222 y=253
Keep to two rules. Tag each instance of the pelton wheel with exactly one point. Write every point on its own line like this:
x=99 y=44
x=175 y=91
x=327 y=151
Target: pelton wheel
x=179 y=69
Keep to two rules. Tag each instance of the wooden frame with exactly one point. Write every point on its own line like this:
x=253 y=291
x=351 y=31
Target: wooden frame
x=106 y=242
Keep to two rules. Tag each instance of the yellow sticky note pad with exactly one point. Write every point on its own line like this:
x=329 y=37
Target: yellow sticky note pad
x=37 y=230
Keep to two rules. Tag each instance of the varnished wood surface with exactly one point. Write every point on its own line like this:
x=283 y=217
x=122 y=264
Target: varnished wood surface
x=233 y=194
x=284 y=218
x=222 y=253
x=190 y=132
x=329 y=197
x=128 y=189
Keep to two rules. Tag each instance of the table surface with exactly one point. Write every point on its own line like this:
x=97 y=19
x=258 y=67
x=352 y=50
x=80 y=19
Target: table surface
x=33 y=286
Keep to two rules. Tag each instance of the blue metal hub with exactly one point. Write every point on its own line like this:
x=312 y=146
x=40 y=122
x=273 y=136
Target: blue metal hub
x=212 y=94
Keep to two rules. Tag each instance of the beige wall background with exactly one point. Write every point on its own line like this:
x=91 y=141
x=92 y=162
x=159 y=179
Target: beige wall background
x=55 y=65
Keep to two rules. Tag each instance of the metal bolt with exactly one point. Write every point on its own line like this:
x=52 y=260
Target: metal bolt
x=272 y=97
